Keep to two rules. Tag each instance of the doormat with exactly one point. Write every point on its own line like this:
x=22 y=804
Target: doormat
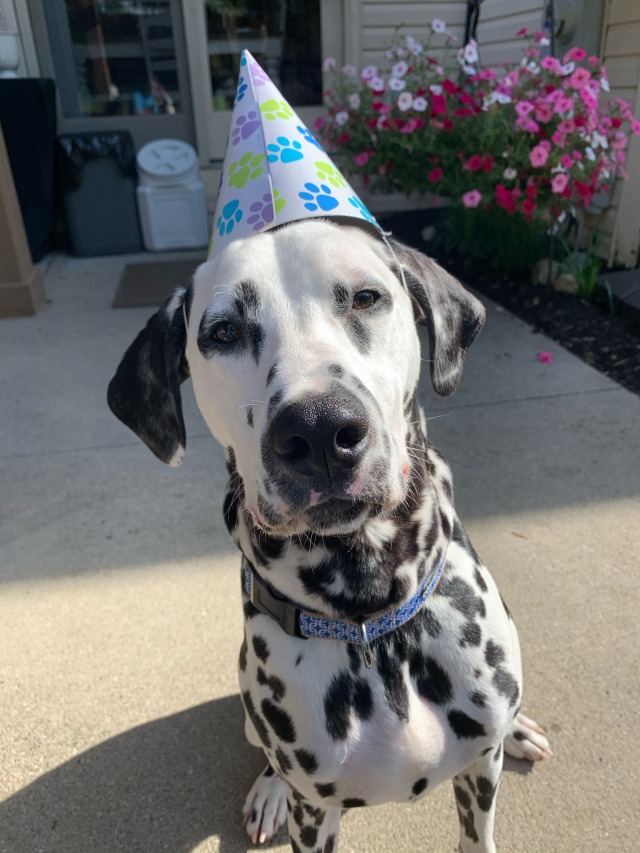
x=150 y=283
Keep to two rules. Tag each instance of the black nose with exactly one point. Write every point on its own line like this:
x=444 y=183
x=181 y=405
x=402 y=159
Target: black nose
x=323 y=434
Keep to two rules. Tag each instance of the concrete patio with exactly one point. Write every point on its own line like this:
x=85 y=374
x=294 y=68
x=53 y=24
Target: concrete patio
x=119 y=603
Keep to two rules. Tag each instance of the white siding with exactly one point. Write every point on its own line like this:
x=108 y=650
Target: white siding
x=499 y=22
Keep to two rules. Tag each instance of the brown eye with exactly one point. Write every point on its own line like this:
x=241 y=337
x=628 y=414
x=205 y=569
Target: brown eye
x=226 y=332
x=365 y=299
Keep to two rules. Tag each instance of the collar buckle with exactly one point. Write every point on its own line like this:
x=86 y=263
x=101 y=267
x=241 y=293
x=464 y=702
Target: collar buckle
x=268 y=602
x=366 y=647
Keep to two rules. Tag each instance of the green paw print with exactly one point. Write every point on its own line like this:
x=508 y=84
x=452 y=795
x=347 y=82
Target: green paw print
x=327 y=172
x=278 y=203
x=273 y=109
x=247 y=168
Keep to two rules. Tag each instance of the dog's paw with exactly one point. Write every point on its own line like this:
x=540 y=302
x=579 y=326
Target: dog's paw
x=265 y=809
x=526 y=739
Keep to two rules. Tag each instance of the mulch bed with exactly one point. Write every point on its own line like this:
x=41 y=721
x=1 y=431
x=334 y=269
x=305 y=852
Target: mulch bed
x=610 y=344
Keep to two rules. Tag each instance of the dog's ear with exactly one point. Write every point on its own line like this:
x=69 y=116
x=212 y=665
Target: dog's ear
x=453 y=316
x=145 y=391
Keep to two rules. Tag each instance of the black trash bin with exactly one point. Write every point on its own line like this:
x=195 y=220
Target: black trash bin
x=97 y=178
x=28 y=119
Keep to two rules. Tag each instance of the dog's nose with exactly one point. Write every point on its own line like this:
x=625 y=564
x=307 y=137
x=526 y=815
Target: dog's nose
x=323 y=434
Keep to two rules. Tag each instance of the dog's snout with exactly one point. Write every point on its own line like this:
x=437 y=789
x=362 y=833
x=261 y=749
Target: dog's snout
x=322 y=434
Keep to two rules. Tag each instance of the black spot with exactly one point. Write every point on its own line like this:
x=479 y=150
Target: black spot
x=519 y=735
x=243 y=655
x=506 y=685
x=269 y=771
x=395 y=689
x=446 y=524
x=272 y=372
x=308 y=835
x=336 y=370
x=249 y=416
x=462 y=596
x=486 y=751
x=432 y=681
x=255 y=335
x=464 y=726
x=355 y=658
x=330 y=844
x=326 y=789
x=230 y=510
x=471 y=634
x=298 y=659
x=433 y=626
x=254 y=815
x=279 y=720
x=363 y=699
x=419 y=786
x=275 y=684
x=498 y=753
x=494 y=654
x=307 y=760
x=479 y=579
x=260 y=647
x=486 y=793
x=337 y=705
x=284 y=762
x=249 y=609
x=479 y=699
x=353 y=803
x=256 y=719
x=462 y=797
x=230 y=461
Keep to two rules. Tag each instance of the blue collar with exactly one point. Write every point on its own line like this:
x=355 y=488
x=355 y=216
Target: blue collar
x=307 y=625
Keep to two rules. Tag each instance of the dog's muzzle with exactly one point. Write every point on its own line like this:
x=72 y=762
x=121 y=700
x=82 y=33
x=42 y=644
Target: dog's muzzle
x=323 y=435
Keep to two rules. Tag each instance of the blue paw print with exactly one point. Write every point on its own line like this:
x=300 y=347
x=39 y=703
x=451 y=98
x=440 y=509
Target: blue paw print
x=242 y=90
x=229 y=217
x=309 y=137
x=318 y=197
x=354 y=201
x=285 y=150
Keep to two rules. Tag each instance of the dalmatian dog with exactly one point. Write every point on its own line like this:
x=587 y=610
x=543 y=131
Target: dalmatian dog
x=379 y=658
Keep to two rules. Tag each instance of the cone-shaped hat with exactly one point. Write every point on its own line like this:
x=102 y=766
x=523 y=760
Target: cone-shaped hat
x=274 y=169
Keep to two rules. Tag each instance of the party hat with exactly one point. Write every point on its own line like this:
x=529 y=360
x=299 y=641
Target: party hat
x=275 y=171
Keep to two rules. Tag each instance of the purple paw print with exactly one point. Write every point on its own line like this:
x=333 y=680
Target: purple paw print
x=245 y=126
x=259 y=77
x=261 y=212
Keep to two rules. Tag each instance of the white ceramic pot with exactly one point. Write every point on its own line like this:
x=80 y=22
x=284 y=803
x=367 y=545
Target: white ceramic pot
x=9 y=54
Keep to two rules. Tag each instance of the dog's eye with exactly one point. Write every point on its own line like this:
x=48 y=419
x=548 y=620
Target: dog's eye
x=226 y=332
x=365 y=299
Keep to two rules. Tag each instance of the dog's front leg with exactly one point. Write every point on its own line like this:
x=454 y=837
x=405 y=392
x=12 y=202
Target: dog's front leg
x=475 y=789
x=311 y=828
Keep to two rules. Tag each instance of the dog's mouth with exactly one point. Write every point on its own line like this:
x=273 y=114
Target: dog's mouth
x=333 y=516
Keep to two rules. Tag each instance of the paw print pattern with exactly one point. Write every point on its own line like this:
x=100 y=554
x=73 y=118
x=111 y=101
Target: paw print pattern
x=328 y=172
x=229 y=217
x=258 y=75
x=247 y=168
x=354 y=201
x=284 y=150
x=273 y=109
x=318 y=197
x=306 y=133
x=263 y=212
x=245 y=127
x=242 y=90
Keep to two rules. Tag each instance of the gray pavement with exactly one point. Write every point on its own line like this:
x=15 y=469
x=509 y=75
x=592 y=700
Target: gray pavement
x=121 y=727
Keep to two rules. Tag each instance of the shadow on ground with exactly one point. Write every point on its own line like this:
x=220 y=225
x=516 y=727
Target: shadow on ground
x=163 y=786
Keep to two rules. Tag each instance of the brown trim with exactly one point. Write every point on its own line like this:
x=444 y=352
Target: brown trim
x=21 y=285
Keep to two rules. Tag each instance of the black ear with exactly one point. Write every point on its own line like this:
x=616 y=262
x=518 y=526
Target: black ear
x=453 y=316
x=145 y=392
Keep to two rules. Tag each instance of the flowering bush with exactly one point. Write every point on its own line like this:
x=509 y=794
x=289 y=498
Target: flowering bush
x=532 y=143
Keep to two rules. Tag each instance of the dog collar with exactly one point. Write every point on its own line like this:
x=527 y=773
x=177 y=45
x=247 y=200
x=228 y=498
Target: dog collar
x=308 y=625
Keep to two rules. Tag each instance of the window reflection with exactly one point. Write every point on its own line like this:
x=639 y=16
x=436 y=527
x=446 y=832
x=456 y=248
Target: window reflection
x=122 y=58
x=283 y=36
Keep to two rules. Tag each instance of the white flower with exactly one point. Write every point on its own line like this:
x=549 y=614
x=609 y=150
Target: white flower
x=439 y=70
x=469 y=69
x=502 y=98
x=349 y=71
x=438 y=26
x=591 y=154
x=599 y=140
x=397 y=85
x=416 y=49
x=354 y=101
x=567 y=68
x=533 y=67
x=329 y=64
x=399 y=69
x=420 y=104
x=376 y=83
x=381 y=123
x=544 y=42
x=509 y=174
x=436 y=89
x=405 y=101
x=604 y=83
x=368 y=72
x=471 y=52
x=342 y=117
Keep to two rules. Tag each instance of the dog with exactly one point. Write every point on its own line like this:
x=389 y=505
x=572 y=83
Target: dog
x=379 y=658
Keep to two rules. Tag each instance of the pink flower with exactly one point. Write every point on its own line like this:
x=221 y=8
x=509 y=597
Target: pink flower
x=559 y=183
x=545 y=357
x=538 y=156
x=566 y=162
x=319 y=123
x=544 y=112
x=579 y=78
x=474 y=163
x=435 y=175
x=412 y=124
x=563 y=105
x=363 y=158
x=472 y=198
x=522 y=32
x=438 y=25
x=550 y=63
x=527 y=124
x=577 y=155
x=576 y=53
x=635 y=127
x=566 y=126
x=329 y=64
x=523 y=108
x=594 y=60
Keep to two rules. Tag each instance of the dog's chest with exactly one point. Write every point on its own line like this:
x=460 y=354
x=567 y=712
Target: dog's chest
x=344 y=734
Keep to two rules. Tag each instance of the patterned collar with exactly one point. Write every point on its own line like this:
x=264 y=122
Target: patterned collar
x=307 y=625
